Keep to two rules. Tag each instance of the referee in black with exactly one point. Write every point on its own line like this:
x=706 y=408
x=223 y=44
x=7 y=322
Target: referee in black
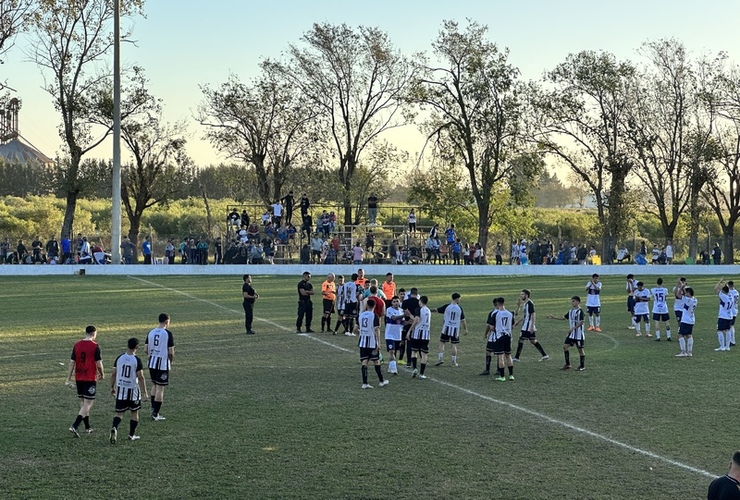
x=305 y=306
x=250 y=295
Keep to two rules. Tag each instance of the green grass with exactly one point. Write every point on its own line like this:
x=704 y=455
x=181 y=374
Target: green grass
x=282 y=416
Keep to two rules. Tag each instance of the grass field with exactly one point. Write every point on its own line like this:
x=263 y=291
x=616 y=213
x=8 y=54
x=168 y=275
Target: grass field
x=277 y=415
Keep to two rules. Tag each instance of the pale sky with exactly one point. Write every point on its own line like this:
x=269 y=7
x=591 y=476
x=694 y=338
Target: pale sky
x=183 y=44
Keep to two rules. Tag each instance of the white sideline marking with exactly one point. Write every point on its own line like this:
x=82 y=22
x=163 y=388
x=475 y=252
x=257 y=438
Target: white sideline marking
x=522 y=409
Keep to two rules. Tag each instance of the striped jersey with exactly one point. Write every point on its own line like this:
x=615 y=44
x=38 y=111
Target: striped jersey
x=575 y=319
x=528 y=319
x=421 y=330
x=642 y=297
x=593 y=294
x=660 y=300
x=734 y=295
x=367 y=322
x=350 y=293
x=725 y=305
x=340 y=298
x=127 y=366
x=689 y=306
x=158 y=341
x=500 y=322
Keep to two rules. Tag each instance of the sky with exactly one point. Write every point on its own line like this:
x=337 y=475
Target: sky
x=183 y=44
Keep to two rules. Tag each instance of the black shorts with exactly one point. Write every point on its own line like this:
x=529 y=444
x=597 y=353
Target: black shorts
x=679 y=314
x=630 y=303
x=123 y=405
x=350 y=309
x=685 y=329
x=86 y=390
x=316 y=252
x=502 y=345
x=525 y=335
x=369 y=353
x=450 y=334
x=420 y=345
x=593 y=310
x=723 y=324
x=661 y=316
x=574 y=342
x=159 y=377
x=328 y=306
x=641 y=317
x=733 y=321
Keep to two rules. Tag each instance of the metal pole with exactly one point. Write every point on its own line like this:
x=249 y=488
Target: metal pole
x=116 y=188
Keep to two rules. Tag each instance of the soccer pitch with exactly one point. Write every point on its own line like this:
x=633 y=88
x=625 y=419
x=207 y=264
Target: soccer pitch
x=280 y=415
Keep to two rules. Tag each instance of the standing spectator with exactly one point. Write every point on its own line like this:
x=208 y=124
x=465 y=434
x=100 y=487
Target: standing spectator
x=727 y=486
x=80 y=243
x=233 y=219
x=288 y=202
x=499 y=257
x=184 y=251
x=451 y=234
x=268 y=246
x=393 y=252
x=202 y=247
x=218 y=253
x=36 y=247
x=86 y=363
x=305 y=205
x=4 y=250
x=192 y=251
x=305 y=306
x=434 y=232
x=456 y=248
x=245 y=219
x=305 y=254
x=127 y=250
x=370 y=241
x=372 y=209
x=250 y=295
x=306 y=226
x=160 y=347
x=429 y=249
x=277 y=213
x=324 y=223
x=478 y=256
x=716 y=254
x=317 y=246
x=669 y=251
x=357 y=253
x=127 y=383
x=169 y=252
x=146 y=250
x=412 y=221
x=52 y=249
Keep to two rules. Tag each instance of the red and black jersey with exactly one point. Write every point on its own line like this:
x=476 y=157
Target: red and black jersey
x=86 y=354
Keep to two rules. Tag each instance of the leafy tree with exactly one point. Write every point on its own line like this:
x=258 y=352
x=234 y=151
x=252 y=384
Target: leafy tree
x=227 y=181
x=441 y=194
x=357 y=79
x=267 y=124
x=583 y=123
x=475 y=114
x=72 y=38
x=14 y=17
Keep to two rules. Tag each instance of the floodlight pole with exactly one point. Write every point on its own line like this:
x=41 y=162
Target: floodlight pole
x=116 y=188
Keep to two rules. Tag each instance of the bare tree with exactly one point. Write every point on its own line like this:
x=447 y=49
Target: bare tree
x=266 y=124
x=72 y=40
x=358 y=80
x=474 y=110
x=583 y=124
x=14 y=17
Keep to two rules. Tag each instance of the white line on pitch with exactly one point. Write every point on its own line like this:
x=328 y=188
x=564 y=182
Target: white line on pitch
x=476 y=394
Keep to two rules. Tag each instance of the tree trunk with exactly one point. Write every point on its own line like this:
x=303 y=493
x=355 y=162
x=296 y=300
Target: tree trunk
x=69 y=213
x=483 y=226
x=729 y=252
x=694 y=228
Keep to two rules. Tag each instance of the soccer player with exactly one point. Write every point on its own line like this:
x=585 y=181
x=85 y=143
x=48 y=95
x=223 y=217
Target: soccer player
x=660 y=309
x=249 y=295
x=685 y=329
x=724 y=320
x=727 y=486
x=734 y=295
x=419 y=337
x=340 y=304
x=454 y=318
x=328 y=295
x=368 y=327
x=528 y=331
x=576 y=336
x=593 y=303
x=393 y=332
x=678 y=298
x=86 y=363
x=630 y=287
x=160 y=347
x=641 y=297
x=351 y=305
x=498 y=332
x=126 y=384
x=305 y=306
x=410 y=307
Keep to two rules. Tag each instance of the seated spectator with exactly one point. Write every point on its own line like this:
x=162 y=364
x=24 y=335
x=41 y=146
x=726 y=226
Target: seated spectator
x=266 y=217
x=305 y=255
x=282 y=234
x=255 y=254
x=268 y=246
x=234 y=219
x=332 y=221
x=85 y=258
x=253 y=233
x=291 y=232
x=270 y=230
x=98 y=254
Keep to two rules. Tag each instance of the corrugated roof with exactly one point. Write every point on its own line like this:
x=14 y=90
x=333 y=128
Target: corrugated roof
x=16 y=151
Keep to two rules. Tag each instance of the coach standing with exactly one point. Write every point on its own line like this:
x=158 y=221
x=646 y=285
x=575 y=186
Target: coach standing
x=250 y=295
x=305 y=306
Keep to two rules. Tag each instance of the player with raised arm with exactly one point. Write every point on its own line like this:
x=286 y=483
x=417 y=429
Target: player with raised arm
x=419 y=336
x=593 y=303
x=576 y=335
x=529 y=330
x=368 y=328
x=454 y=318
x=678 y=298
x=724 y=319
x=660 y=309
x=688 y=318
x=735 y=296
x=641 y=298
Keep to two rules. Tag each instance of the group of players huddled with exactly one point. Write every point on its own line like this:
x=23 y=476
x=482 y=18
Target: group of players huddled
x=361 y=303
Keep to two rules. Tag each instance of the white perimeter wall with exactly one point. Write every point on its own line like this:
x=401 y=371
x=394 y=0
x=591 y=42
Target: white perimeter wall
x=374 y=270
